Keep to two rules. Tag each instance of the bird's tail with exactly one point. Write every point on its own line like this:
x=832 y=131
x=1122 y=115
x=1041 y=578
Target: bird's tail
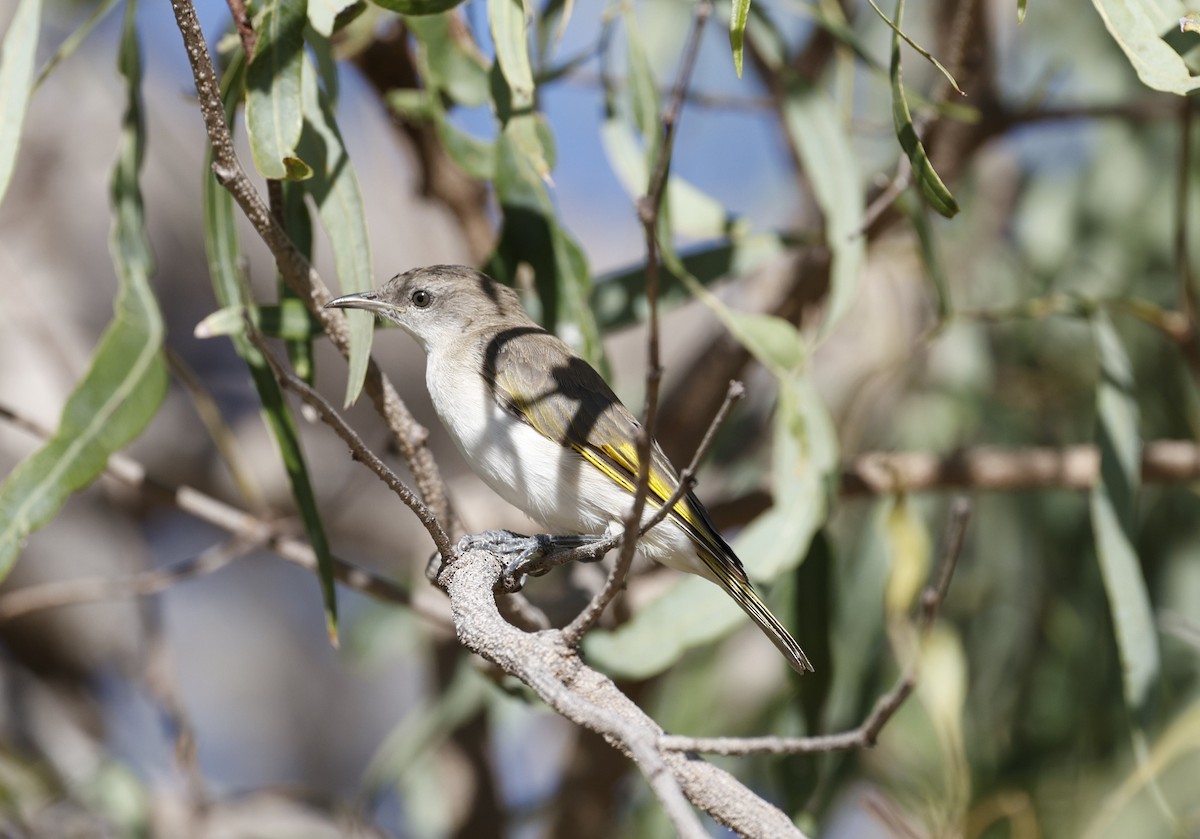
x=745 y=596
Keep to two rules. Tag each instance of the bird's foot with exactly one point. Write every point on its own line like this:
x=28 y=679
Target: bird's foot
x=532 y=556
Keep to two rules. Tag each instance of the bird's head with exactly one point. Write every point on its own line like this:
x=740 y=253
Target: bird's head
x=440 y=303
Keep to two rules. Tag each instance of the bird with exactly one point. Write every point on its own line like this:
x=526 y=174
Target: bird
x=542 y=428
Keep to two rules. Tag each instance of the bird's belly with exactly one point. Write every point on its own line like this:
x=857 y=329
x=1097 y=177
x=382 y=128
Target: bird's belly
x=552 y=484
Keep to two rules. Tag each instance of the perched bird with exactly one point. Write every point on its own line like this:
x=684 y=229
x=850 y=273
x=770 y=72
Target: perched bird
x=542 y=428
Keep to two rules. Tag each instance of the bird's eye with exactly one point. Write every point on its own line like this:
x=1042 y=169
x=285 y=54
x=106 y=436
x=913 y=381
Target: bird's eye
x=421 y=298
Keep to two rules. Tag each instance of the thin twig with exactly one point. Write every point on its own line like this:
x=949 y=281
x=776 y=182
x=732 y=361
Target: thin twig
x=297 y=271
x=867 y=733
x=245 y=29
x=248 y=527
x=358 y=448
x=34 y=598
x=648 y=208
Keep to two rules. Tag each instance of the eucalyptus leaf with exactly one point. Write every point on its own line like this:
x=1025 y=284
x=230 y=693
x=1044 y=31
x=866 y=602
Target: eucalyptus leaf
x=1113 y=508
x=273 y=112
x=1138 y=28
x=832 y=168
x=737 y=32
x=17 y=55
x=452 y=63
x=510 y=36
x=926 y=177
x=125 y=383
x=335 y=190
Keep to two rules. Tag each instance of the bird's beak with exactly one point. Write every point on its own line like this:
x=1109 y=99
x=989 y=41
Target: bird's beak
x=368 y=300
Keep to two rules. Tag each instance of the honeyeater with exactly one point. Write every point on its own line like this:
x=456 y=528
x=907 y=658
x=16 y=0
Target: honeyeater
x=542 y=428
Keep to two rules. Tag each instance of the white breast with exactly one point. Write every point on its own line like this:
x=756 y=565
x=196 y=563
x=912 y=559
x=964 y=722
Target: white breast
x=551 y=483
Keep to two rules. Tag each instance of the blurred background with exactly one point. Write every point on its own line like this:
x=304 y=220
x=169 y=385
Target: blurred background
x=1024 y=353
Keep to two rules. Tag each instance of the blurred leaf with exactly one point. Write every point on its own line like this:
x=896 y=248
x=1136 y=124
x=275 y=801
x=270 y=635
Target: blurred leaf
x=1112 y=505
x=532 y=235
x=1181 y=738
x=126 y=380
x=298 y=224
x=334 y=189
x=66 y=49
x=407 y=747
x=452 y=64
x=692 y=212
x=1187 y=23
x=1137 y=28
x=910 y=549
x=289 y=319
x=919 y=218
x=737 y=32
x=273 y=110
x=224 y=255
x=812 y=625
x=322 y=14
x=926 y=177
x=620 y=299
x=17 y=55
x=831 y=165
x=1021 y=11
x=475 y=157
x=418 y=7
x=509 y=34
x=645 y=104
x=897 y=32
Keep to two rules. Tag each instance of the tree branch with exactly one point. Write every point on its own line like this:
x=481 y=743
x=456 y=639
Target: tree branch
x=296 y=270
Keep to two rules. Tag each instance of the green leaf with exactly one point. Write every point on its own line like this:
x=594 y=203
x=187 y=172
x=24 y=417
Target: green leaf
x=223 y=251
x=274 y=117
x=125 y=383
x=832 y=168
x=897 y=32
x=645 y=104
x=510 y=35
x=335 y=191
x=71 y=43
x=1137 y=27
x=1020 y=11
x=298 y=224
x=1113 y=507
x=532 y=235
x=418 y=7
x=919 y=217
x=290 y=320
x=692 y=213
x=451 y=62
x=927 y=178
x=619 y=300
x=322 y=14
x=737 y=32
x=17 y=55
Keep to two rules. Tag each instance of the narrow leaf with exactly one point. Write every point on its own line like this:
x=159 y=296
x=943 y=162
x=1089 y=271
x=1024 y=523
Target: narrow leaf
x=125 y=383
x=335 y=190
x=832 y=168
x=927 y=178
x=223 y=250
x=322 y=14
x=1113 y=506
x=897 y=32
x=17 y=55
x=273 y=113
x=1137 y=27
x=72 y=42
x=737 y=32
x=509 y=34
x=1021 y=11
x=452 y=64
x=289 y=320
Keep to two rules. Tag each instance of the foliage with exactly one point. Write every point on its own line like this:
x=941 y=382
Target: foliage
x=1047 y=300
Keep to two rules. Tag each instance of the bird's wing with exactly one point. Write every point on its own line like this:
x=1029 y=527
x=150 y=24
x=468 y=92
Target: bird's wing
x=538 y=379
